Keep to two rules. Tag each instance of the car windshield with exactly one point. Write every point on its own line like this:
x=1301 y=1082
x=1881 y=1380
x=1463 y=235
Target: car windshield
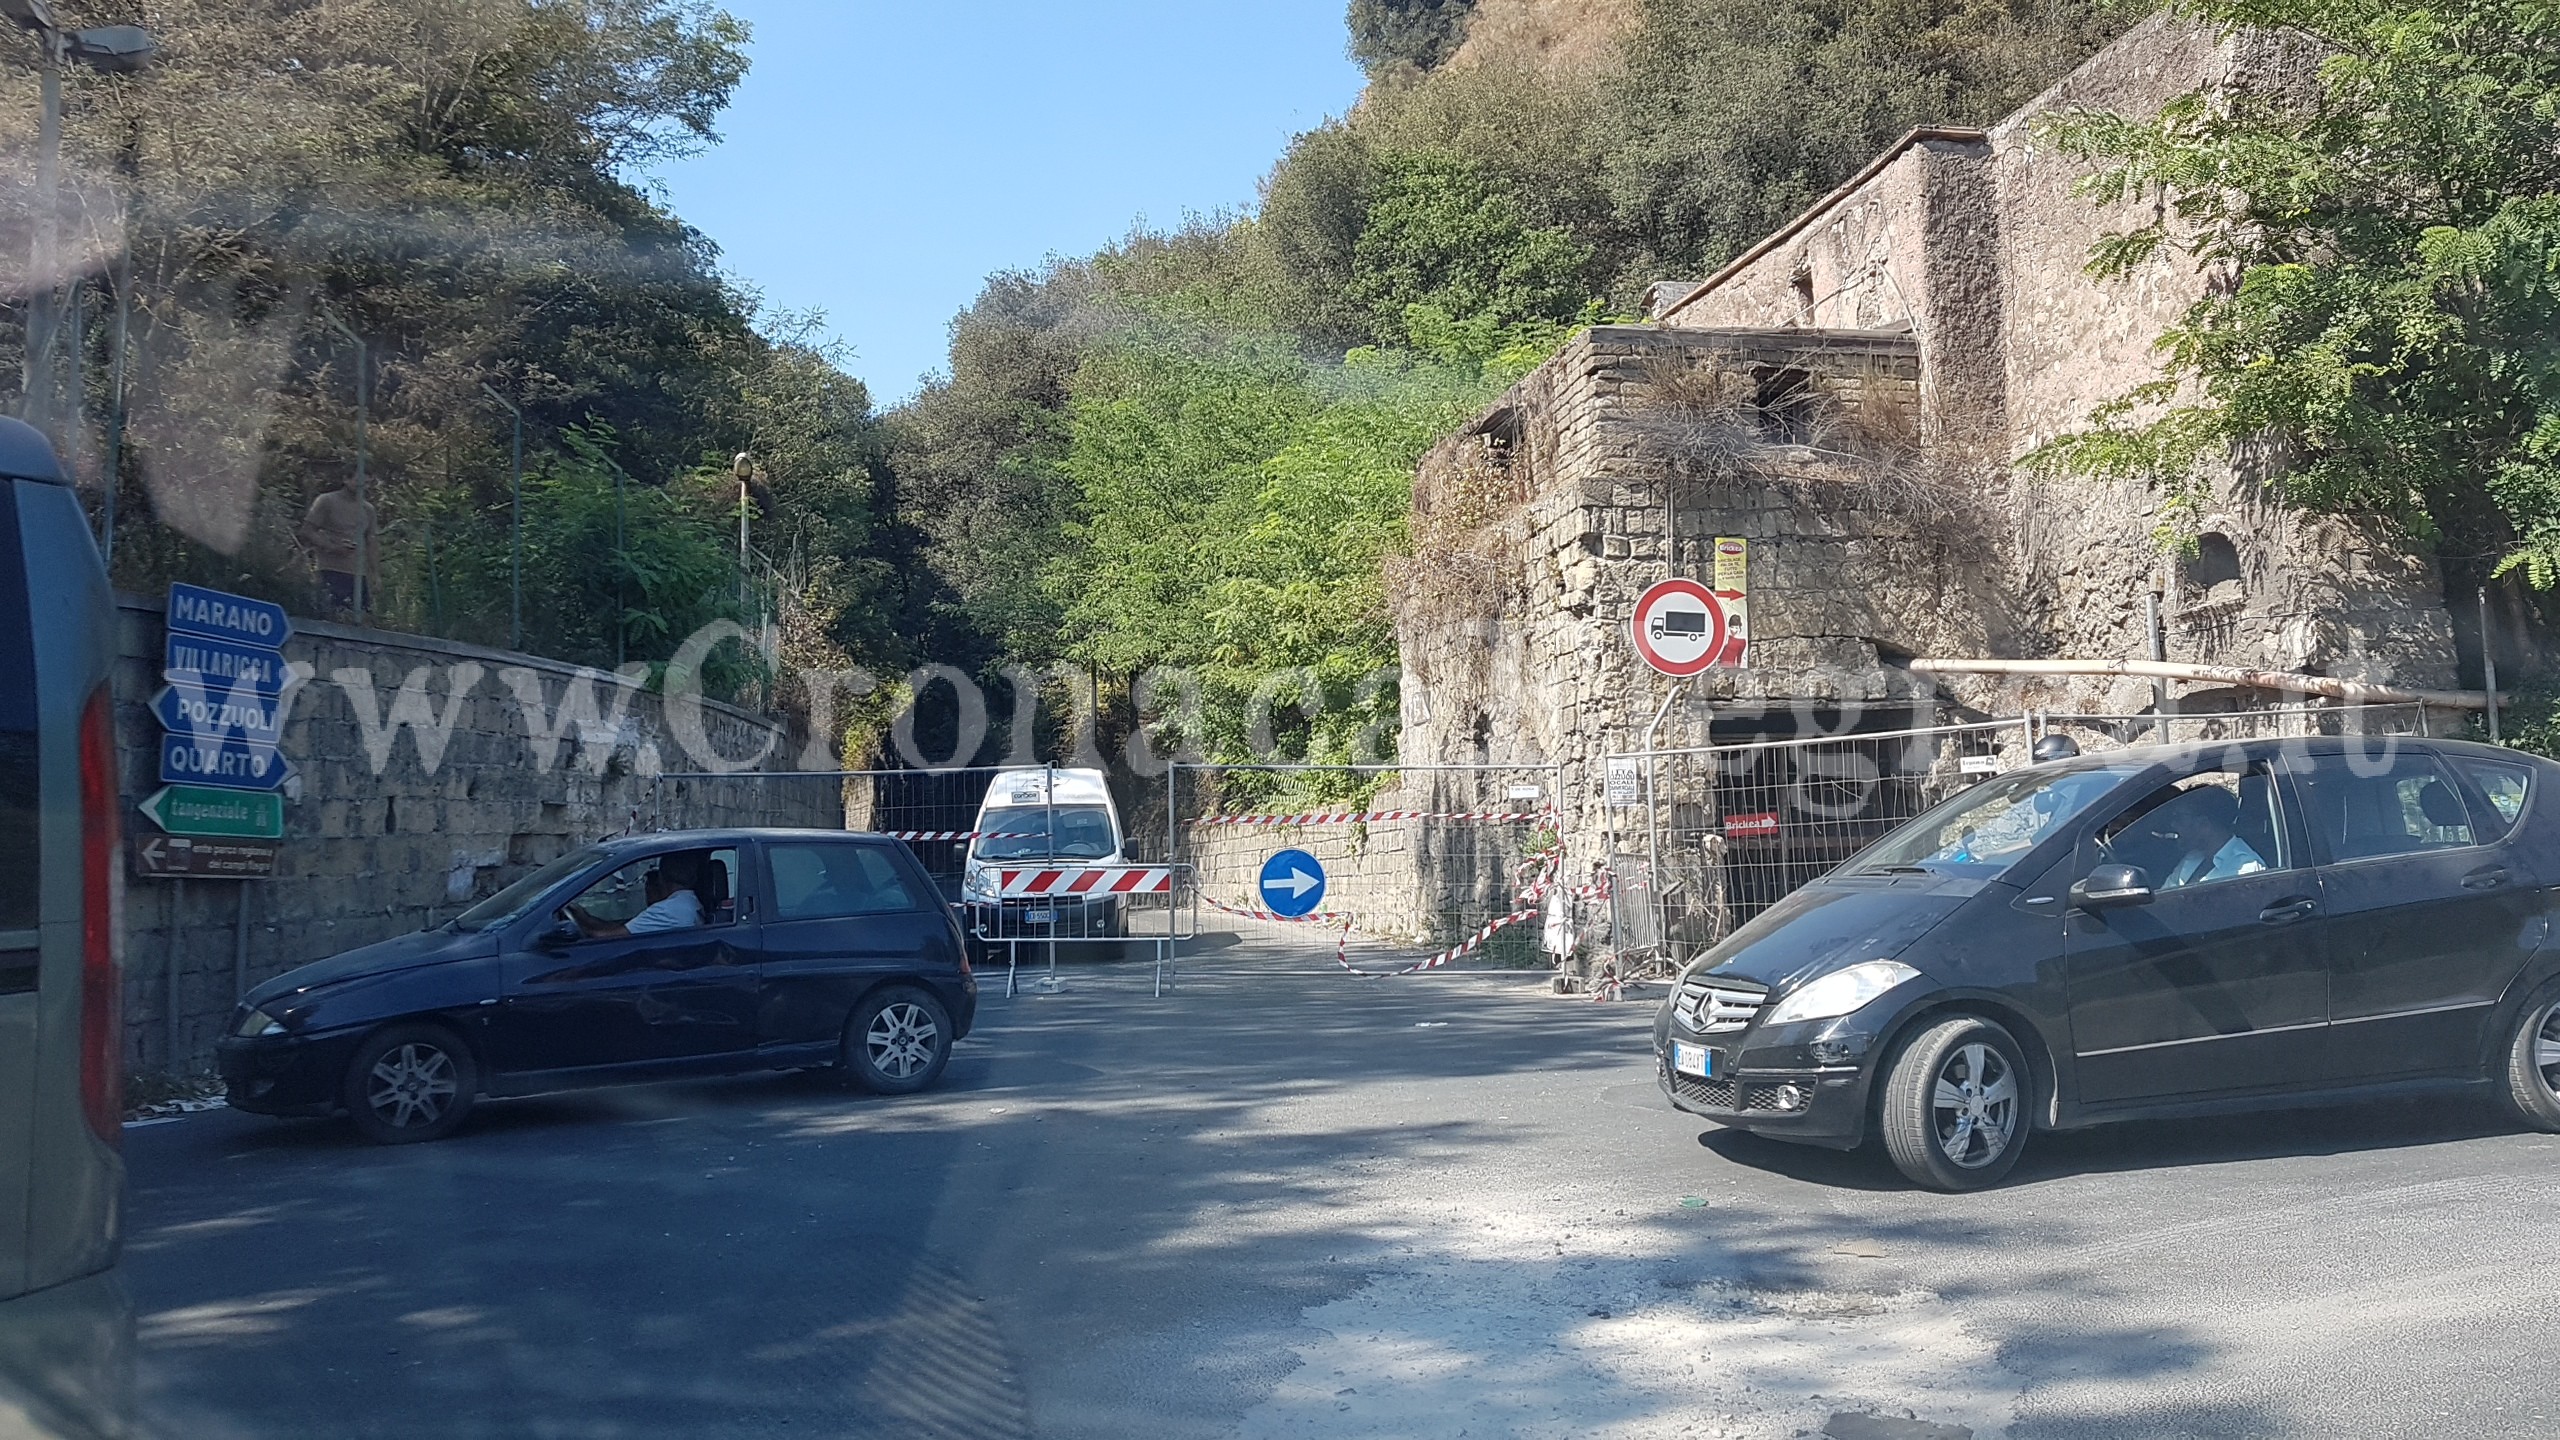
x=1084 y=832
x=1983 y=831
x=513 y=901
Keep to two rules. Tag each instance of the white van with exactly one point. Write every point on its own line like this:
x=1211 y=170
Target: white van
x=1045 y=816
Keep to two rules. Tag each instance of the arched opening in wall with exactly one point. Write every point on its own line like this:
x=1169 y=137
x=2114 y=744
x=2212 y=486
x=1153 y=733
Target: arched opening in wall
x=1783 y=401
x=2215 y=561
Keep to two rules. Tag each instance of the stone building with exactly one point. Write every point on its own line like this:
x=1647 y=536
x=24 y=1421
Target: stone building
x=1853 y=395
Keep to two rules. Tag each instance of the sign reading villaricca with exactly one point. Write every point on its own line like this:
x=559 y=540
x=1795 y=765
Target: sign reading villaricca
x=1733 y=589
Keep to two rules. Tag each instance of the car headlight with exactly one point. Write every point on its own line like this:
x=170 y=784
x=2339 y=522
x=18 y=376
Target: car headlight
x=977 y=885
x=1841 y=991
x=256 y=1023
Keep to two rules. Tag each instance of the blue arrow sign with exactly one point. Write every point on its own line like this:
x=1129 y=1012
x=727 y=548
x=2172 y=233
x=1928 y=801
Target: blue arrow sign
x=226 y=764
x=237 y=618
x=222 y=668
x=204 y=714
x=1292 y=884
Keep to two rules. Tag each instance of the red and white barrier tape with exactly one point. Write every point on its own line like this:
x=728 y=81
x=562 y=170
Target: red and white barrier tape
x=1363 y=817
x=1532 y=897
x=966 y=834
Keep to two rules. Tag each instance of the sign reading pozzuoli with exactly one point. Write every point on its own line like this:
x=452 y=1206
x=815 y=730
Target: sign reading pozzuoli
x=1679 y=627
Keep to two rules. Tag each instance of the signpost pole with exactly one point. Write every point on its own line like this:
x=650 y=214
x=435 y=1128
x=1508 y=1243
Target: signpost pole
x=177 y=944
x=239 y=942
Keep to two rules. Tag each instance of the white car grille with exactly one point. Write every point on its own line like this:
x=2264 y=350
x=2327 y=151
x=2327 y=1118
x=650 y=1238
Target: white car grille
x=1709 y=1006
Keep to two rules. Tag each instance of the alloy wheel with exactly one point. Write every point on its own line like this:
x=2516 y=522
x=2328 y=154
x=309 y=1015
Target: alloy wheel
x=901 y=1040
x=411 y=1086
x=2546 y=1050
x=1975 y=1106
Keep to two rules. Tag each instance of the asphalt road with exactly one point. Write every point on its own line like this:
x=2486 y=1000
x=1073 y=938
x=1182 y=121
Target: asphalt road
x=1284 y=1202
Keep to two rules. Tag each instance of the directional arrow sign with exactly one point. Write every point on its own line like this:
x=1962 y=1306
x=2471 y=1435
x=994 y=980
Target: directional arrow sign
x=221 y=668
x=177 y=857
x=214 y=714
x=228 y=764
x=1292 y=883
x=198 y=810
x=237 y=618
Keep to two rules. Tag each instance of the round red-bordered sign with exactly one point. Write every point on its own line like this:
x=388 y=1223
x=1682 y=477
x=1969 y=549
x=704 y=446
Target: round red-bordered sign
x=1679 y=627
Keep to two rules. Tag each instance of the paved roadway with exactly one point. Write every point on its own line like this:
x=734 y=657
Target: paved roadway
x=1284 y=1202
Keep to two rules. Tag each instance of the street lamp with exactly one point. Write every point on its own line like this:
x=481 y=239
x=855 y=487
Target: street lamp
x=113 y=49
x=515 y=522
x=744 y=468
x=364 y=517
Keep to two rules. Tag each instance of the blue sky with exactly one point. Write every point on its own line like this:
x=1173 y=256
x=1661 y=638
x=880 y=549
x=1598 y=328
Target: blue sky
x=883 y=158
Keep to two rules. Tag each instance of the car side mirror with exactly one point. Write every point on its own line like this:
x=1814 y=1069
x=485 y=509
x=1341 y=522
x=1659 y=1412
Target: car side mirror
x=562 y=932
x=2110 y=887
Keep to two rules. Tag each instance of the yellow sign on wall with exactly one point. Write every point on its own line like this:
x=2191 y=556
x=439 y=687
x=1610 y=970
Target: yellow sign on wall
x=1733 y=589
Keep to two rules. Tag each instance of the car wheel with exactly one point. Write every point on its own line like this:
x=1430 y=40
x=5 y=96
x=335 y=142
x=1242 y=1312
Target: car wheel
x=897 y=1041
x=2533 y=1062
x=1954 y=1109
x=409 y=1083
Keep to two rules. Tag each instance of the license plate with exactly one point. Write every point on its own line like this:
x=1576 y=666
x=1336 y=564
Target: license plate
x=1038 y=917
x=1691 y=1059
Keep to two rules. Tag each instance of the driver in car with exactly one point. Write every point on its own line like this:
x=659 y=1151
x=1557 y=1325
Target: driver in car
x=673 y=905
x=2190 y=839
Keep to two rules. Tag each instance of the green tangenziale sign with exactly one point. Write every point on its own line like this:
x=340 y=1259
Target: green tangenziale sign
x=203 y=810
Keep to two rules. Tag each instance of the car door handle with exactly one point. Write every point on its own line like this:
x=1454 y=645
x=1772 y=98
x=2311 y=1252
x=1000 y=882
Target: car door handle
x=2284 y=910
x=2487 y=877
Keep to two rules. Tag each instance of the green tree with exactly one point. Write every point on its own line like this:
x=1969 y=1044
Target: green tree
x=1441 y=233
x=1419 y=33
x=2379 y=337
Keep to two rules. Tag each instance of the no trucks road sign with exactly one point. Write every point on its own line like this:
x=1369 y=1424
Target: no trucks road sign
x=1680 y=627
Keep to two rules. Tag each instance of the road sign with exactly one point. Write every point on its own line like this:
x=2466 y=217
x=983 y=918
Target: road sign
x=1292 y=883
x=221 y=667
x=176 y=857
x=212 y=714
x=228 y=764
x=1733 y=591
x=1679 y=627
x=236 y=618
x=197 y=810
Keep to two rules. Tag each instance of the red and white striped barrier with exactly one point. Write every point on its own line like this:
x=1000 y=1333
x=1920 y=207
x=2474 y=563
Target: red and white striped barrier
x=1364 y=817
x=1086 y=880
x=965 y=834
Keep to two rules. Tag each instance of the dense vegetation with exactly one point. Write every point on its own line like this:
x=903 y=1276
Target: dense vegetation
x=456 y=183
x=1191 y=450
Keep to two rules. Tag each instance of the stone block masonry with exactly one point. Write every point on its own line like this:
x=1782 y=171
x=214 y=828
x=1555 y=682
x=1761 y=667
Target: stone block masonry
x=430 y=775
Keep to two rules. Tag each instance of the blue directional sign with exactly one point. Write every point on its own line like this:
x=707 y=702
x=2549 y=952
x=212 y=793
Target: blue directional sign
x=204 y=714
x=220 y=667
x=1292 y=883
x=237 y=618
x=227 y=764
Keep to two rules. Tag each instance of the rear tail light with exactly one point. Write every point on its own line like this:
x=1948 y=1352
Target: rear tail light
x=101 y=984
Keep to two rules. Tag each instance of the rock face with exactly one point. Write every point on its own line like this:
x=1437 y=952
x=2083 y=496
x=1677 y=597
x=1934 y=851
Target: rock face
x=1853 y=396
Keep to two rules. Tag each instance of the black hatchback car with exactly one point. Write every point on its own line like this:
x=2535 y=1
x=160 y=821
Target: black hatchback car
x=685 y=953
x=2145 y=933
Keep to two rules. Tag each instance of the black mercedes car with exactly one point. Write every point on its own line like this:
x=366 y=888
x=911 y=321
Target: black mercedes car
x=685 y=953
x=2145 y=933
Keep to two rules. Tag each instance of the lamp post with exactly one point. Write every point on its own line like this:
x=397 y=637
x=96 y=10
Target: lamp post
x=744 y=468
x=515 y=521
x=364 y=516
x=112 y=49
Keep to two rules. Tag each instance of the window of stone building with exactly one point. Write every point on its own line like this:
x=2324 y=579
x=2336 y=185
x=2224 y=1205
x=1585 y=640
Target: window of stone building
x=1784 y=400
x=2216 y=560
x=1804 y=294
